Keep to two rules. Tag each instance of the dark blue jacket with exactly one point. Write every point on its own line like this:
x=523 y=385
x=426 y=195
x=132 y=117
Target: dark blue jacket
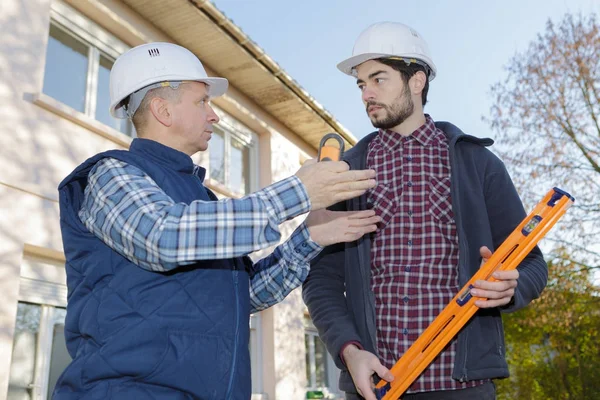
x=136 y=334
x=486 y=208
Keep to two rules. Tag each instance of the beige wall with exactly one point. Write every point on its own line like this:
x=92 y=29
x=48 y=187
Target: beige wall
x=38 y=148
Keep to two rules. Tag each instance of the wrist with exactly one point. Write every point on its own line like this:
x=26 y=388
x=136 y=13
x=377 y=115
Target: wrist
x=350 y=350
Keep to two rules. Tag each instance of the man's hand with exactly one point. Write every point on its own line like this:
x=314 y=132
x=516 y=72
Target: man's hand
x=361 y=365
x=329 y=227
x=330 y=182
x=497 y=293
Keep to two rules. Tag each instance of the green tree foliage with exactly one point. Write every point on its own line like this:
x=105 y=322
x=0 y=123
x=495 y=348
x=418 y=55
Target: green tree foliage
x=553 y=345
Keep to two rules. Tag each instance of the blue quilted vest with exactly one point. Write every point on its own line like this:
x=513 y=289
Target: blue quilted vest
x=136 y=334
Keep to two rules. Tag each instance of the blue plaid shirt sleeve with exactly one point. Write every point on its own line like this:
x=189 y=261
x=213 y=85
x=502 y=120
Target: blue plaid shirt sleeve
x=127 y=210
x=283 y=270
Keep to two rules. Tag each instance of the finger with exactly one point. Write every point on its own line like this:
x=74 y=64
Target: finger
x=364 y=387
x=357 y=234
x=354 y=185
x=485 y=252
x=506 y=275
x=355 y=175
x=495 y=285
x=358 y=214
x=340 y=167
x=383 y=372
x=367 y=392
x=498 y=286
x=493 y=294
x=348 y=195
x=372 y=220
x=493 y=303
x=310 y=161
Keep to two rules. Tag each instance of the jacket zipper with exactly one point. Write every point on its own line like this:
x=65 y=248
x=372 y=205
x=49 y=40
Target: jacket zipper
x=463 y=250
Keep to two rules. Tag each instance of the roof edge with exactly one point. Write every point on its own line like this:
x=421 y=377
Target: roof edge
x=244 y=41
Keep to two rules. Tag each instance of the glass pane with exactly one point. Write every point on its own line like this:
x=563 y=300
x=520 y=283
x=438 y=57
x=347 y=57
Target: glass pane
x=65 y=77
x=309 y=381
x=22 y=366
x=59 y=356
x=216 y=152
x=103 y=99
x=321 y=363
x=239 y=167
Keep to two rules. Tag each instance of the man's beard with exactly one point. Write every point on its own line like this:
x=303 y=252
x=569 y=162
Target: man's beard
x=402 y=108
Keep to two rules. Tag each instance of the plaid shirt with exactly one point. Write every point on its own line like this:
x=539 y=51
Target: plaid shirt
x=414 y=255
x=129 y=212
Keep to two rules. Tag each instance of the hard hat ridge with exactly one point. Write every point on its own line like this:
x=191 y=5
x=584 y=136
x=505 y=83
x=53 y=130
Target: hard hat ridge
x=389 y=40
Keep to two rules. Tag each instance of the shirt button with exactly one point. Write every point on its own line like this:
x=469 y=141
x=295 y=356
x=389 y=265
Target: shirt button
x=304 y=244
x=409 y=158
x=410 y=242
x=405 y=299
x=405 y=331
x=410 y=213
x=409 y=184
x=407 y=269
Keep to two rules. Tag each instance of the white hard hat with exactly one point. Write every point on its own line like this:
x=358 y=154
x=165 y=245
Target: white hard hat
x=389 y=40
x=150 y=64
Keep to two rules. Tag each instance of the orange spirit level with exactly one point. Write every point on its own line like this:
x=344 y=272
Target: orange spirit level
x=462 y=307
x=328 y=152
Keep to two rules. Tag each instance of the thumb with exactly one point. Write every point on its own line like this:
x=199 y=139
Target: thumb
x=485 y=252
x=310 y=161
x=383 y=372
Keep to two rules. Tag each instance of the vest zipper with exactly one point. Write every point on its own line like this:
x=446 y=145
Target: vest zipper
x=237 y=329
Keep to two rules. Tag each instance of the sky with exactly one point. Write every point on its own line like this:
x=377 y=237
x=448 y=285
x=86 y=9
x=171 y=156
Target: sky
x=471 y=41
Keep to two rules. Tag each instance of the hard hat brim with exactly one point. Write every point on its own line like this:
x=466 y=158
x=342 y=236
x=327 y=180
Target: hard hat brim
x=347 y=66
x=216 y=87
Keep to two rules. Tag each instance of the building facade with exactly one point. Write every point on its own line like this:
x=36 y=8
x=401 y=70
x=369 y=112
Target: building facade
x=55 y=59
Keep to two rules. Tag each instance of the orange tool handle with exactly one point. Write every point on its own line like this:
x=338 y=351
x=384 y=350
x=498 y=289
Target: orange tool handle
x=462 y=307
x=328 y=152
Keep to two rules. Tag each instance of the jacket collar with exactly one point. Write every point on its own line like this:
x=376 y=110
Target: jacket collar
x=163 y=155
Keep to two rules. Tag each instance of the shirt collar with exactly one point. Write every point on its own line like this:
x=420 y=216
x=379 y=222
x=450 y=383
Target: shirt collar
x=424 y=135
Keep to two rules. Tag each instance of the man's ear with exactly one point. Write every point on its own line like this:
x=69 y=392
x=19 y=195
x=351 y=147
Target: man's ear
x=161 y=110
x=417 y=82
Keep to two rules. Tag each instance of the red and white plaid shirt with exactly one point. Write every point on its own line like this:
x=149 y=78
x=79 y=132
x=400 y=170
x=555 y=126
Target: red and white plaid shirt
x=414 y=255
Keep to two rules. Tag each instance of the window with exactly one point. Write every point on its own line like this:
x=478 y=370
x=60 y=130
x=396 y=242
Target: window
x=79 y=57
x=321 y=372
x=39 y=352
x=316 y=360
x=233 y=157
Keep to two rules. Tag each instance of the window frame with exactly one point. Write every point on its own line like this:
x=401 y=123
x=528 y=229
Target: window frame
x=42 y=271
x=99 y=43
x=230 y=129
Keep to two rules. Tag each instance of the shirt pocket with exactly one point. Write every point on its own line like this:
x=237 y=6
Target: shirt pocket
x=383 y=200
x=440 y=202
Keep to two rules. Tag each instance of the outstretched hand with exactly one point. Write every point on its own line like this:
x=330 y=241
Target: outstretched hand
x=329 y=227
x=330 y=182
